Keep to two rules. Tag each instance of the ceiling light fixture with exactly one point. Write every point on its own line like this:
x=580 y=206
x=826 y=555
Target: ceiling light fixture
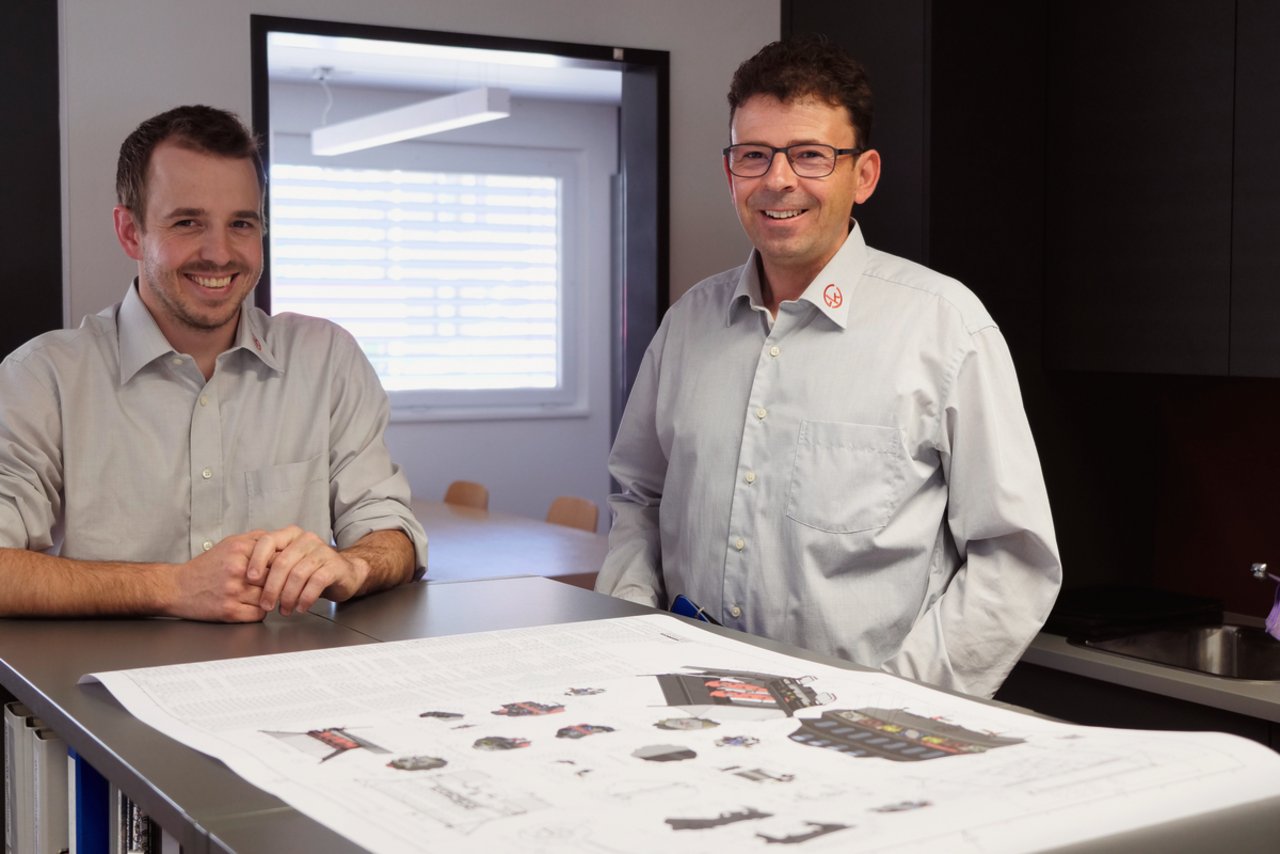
x=425 y=117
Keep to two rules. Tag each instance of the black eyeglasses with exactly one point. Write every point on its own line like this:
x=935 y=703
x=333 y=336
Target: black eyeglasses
x=807 y=159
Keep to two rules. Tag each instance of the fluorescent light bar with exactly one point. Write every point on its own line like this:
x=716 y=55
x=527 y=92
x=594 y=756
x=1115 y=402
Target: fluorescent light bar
x=425 y=117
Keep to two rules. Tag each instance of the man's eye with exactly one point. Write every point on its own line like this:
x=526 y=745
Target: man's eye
x=808 y=154
x=751 y=155
x=244 y=223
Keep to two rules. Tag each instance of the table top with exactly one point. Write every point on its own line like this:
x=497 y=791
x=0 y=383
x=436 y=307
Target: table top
x=201 y=802
x=207 y=807
x=464 y=544
x=184 y=790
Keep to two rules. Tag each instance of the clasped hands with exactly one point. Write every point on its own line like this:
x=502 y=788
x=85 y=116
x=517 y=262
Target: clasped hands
x=246 y=576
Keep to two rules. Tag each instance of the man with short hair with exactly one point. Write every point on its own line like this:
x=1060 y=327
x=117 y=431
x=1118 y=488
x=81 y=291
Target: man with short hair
x=827 y=445
x=182 y=453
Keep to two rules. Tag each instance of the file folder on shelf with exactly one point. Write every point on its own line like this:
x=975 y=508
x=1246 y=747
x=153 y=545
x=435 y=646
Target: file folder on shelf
x=88 y=807
x=17 y=777
x=49 y=790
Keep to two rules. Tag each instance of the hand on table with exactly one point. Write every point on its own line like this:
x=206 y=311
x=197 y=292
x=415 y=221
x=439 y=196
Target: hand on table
x=246 y=576
x=294 y=568
x=215 y=585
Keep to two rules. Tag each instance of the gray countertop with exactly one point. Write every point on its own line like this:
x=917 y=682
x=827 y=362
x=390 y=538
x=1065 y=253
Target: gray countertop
x=207 y=807
x=1259 y=699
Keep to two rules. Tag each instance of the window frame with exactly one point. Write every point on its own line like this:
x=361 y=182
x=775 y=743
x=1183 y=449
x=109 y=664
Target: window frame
x=641 y=254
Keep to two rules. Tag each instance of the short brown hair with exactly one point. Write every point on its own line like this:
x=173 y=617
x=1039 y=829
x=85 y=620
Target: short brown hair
x=200 y=128
x=807 y=66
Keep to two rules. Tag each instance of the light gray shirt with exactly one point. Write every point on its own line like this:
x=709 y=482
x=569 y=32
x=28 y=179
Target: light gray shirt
x=114 y=447
x=856 y=477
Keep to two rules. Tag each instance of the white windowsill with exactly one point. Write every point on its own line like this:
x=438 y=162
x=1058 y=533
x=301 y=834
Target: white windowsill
x=408 y=414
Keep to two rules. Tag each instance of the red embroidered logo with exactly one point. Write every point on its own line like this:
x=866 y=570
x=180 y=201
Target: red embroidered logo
x=832 y=296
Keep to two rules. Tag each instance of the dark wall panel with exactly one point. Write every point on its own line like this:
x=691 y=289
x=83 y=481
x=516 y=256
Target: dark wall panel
x=31 y=242
x=1255 y=298
x=1139 y=194
x=887 y=37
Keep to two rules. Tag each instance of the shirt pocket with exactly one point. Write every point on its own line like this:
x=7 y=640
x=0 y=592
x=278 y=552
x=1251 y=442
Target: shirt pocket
x=847 y=477
x=289 y=494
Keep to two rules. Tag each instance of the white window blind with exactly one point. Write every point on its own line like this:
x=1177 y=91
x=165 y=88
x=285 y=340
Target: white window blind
x=452 y=282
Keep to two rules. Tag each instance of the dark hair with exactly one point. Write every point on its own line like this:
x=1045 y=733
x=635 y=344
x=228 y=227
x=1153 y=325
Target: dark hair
x=200 y=128
x=807 y=67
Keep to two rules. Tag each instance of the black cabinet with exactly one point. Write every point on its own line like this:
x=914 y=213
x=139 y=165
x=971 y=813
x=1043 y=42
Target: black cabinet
x=1095 y=702
x=1163 y=205
x=1255 y=274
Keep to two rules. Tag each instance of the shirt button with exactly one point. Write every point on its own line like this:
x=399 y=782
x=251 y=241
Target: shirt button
x=206 y=545
x=177 y=360
x=751 y=477
x=204 y=400
x=775 y=350
x=206 y=474
x=761 y=412
x=739 y=544
x=735 y=612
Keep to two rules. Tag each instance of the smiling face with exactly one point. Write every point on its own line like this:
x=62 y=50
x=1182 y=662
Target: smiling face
x=199 y=251
x=798 y=224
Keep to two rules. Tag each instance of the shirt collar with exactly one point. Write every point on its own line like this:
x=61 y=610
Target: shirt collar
x=252 y=336
x=748 y=295
x=830 y=292
x=141 y=342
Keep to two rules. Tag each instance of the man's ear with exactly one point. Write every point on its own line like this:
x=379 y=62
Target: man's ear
x=867 y=175
x=128 y=232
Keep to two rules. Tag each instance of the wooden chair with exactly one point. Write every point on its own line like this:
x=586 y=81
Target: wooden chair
x=466 y=493
x=574 y=512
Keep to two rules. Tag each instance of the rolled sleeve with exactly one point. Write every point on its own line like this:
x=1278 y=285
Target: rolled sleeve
x=30 y=458
x=369 y=492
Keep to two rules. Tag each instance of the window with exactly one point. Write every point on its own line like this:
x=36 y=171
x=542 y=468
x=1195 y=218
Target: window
x=448 y=280
x=612 y=233
x=450 y=267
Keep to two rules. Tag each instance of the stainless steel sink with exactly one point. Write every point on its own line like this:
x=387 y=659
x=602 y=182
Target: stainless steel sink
x=1236 y=652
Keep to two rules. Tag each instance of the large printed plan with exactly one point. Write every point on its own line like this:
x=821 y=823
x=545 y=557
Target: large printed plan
x=644 y=734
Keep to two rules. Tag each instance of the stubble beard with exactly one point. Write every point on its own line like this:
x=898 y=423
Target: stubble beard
x=166 y=285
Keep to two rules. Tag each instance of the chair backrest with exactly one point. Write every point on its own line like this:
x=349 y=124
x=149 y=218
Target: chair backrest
x=574 y=512
x=467 y=493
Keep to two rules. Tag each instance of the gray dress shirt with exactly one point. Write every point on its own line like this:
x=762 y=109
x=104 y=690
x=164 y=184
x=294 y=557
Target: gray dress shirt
x=114 y=447
x=856 y=476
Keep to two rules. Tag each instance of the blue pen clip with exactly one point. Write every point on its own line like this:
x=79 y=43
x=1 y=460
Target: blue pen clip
x=684 y=606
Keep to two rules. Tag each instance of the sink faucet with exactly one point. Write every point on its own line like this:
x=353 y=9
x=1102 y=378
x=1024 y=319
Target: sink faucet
x=1259 y=571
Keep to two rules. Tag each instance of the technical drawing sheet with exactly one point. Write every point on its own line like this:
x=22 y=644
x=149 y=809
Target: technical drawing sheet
x=641 y=734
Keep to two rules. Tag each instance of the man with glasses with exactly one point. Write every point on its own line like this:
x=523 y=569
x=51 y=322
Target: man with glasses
x=827 y=445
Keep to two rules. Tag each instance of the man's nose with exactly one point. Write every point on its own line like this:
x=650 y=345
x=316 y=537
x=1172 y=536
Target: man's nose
x=780 y=173
x=216 y=246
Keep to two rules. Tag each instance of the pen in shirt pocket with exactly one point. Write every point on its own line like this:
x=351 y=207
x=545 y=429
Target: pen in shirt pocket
x=685 y=607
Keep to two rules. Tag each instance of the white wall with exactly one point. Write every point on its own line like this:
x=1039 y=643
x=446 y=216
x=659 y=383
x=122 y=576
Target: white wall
x=125 y=60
